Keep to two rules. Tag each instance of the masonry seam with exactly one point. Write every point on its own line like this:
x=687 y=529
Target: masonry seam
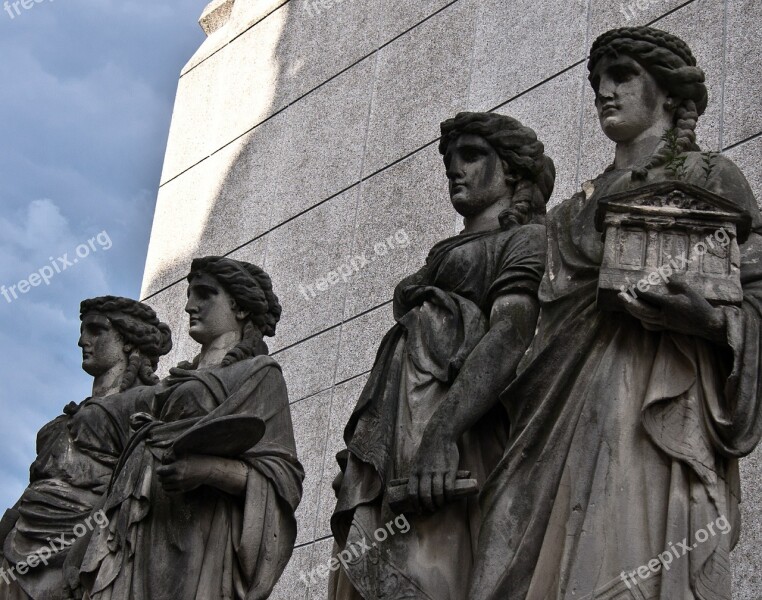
x=289 y=104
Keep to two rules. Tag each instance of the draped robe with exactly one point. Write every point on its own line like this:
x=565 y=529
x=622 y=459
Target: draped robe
x=442 y=313
x=625 y=442
x=76 y=454
x=204 y=544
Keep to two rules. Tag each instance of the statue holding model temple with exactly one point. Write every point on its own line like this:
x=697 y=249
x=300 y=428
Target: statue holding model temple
x=122 y=341
x=463 y=322
x=631 y=410
x=202 y=502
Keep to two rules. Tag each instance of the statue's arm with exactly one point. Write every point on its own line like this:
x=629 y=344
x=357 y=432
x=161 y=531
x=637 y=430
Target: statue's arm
x=190 y=472
x=486 y=372
x=490 y=367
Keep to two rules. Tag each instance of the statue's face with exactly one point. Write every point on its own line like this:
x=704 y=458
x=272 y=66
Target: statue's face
x=476 y=174
x=628 y=99
x=102 y=346
x=212 y=310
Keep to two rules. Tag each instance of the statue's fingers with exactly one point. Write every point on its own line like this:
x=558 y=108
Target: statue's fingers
x=449 y=485
x=643 y=311
x=437 y=490
x=412 y=492
x=424 y=493
x=654 y=299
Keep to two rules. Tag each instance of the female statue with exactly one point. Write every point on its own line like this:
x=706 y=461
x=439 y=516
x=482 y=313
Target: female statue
x=215 y=520
x=121 y=342
x=463 y=322
x=627 y=426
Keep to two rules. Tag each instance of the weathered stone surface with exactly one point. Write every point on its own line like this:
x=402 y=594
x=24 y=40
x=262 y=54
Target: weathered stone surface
x=747 y=577
x=291 y=586
x=743 y=79
x=310 y=258
x=246 y=97
x=748 y=157
x=360 y=337
x=605 y=15
x=406 y=200
x=311 y=426
x=221 y=204
x=191 y=134
x=247 y=14
x=416 y=87
x=312 y=58
x=395 y=17
x=215 y=15
x=345 y=397
x=519 y=44
x=701 y=24
x=322 y=150
x=309 y=365
x=558 y=122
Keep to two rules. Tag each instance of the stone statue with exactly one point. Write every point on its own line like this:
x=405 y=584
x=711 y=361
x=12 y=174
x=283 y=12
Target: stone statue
x=463 y=322
x=620 y=479
x=202 y=503
x=121 y=343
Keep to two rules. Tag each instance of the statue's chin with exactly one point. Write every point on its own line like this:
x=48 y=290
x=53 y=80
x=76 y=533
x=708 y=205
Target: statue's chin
x=466 y=206
x=617 y=130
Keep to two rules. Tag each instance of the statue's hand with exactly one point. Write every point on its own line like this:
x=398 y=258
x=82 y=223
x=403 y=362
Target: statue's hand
x=683 y=310
x=185 y=474
x=433 y=472
x=72 y=585
x=73 y=592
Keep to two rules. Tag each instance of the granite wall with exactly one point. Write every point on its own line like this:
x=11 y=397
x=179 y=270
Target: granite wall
x=304 y=136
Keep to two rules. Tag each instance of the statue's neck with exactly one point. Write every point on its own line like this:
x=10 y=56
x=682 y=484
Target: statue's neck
x=488 y=219
x=108 y=383
x=212 y=354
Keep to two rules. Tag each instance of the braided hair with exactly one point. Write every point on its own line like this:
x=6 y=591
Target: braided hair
x=252 y=290
x=523 y=157
x=672 y=64
x=139 y=327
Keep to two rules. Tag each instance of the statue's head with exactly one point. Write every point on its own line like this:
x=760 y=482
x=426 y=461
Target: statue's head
x=226 y=295
x=490 y=157
x=643 y=78
x=120 y=332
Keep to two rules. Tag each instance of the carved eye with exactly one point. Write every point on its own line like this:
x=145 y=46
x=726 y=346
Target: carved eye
x=470 y=155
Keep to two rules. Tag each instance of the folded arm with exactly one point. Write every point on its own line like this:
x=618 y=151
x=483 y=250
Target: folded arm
x=486 y=372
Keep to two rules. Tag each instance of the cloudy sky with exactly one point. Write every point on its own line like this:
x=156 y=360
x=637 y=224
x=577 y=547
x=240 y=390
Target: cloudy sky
x=86 y=95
